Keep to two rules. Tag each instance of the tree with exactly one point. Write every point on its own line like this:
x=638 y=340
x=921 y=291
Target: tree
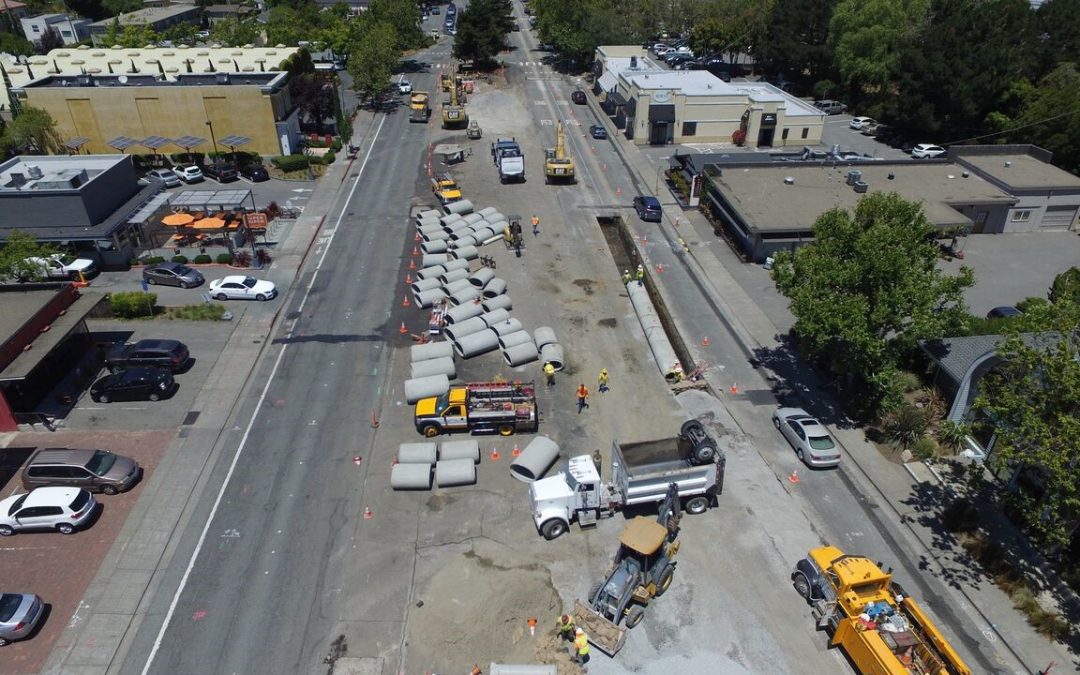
x=33 y=132
x=10 y=43
x=404 y=16
x=1051 y=117
x=49 y=41
x=868 y=289
x=372 y=58
x=575 y=28
x=1033 y=402
x=729 y=26
x=315 y=97
x=865 y=36
x=482 y=29
x=18 y=247
x=235 y=32
x=795 y=42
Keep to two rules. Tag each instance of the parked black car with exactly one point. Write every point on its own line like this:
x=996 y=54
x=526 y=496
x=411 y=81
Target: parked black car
x=256 y=173
x=222 y=173
x=172 y=274
x=134 y=384
x=172 y=355
x=598 y=132
x=578 y=97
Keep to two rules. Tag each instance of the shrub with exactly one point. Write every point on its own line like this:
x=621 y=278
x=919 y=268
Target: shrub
x=202 y=259
x=336 y=145
x=329 y=158
x=204 y=312
x=223 y=258
x=242 y=259
x=960 y=516
x=952 y=434
x=925 y=448
x=263 y=257
x=907 y=381
x=1066 y=286
x=288 y=163
x=182 y=259
x=1049 y=624
x=273 y=210
x=906 y=425
x=1028 y=304
x=153 y=260
x=133 y=304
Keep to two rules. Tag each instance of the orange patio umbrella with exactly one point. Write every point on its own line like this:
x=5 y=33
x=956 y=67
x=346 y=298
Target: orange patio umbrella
x=208 y=224
x=178 y=219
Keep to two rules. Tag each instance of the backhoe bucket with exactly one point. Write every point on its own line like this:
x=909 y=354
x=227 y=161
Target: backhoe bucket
x=604 y=635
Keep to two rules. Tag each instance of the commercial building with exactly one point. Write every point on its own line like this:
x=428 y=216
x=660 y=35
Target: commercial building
x=71 y=29
x=156 y=18
x=657 y=106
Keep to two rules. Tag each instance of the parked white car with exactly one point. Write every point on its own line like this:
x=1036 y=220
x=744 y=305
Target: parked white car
x=927 y=151
x=165 y=176
x=811 y=440
x=242 y=288
x=189 y=173
x=860 y=123
x=64 y=509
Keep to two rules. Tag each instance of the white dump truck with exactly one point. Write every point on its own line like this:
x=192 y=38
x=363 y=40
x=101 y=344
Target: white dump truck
x=641 y=473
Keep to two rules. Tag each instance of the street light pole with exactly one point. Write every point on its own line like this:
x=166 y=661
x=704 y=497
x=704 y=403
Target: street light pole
x=213 y=139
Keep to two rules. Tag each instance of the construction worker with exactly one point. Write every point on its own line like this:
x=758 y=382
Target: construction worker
x=626 y=277
x=549 y=372
x=640 y=274
x=582 y=397
x=581 y=647
x=565 y=625
x=536 y=224
x=602 y=378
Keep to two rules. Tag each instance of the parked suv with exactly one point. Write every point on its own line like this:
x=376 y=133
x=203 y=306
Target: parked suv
x=648 y=208
x=97 y=470
x=64 y=509
x=189 y=173
x=170 y=354
x=222 y=173
x=830 y=107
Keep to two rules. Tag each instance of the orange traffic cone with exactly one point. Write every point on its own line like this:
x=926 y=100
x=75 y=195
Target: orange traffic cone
x=412 y=264
x=405 y=302
x=403 y=330
x=618 y=191
x=368 y=515
x=495 y=456
x=418 y=237
x=408 y=279
x=516 y=452
x=794 y=477
x=734 y=388
x=705 y=341
x=660 y=268
x=532 y=626
x=415 y=250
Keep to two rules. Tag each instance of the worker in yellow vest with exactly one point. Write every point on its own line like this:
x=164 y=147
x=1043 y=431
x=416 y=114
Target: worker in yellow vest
x=565 y=625
x=581 y=647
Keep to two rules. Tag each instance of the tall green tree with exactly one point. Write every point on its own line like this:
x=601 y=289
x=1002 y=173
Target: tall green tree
x=33 y=132
x=18 y=247
x=866 y=35
x=404 y=16
x=236 y=32
x=372 y=58
x=729 y=26
x=1051 y=117
x=868 y=289
x=795 y=43
x=1058 y=27
x=482 y=28
x=576 y=27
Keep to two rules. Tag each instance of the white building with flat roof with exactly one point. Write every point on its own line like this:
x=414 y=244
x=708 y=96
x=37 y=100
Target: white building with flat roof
x=71 y=29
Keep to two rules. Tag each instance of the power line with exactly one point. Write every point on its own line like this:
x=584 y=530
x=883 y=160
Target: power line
x=1023 y=126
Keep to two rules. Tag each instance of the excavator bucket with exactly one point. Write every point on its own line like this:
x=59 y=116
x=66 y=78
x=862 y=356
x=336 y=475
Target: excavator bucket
x=604 y=635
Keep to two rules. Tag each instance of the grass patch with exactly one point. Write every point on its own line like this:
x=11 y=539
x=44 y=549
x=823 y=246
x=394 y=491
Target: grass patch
x=204 y=312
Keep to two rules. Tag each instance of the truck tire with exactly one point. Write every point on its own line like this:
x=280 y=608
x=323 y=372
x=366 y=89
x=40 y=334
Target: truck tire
x=802 y=584
x=554 y=528
x=506 y=429
x=634 y=616
x=689 y=425
x=664 y=582
x=697 y=505
x=704 y=453
x=594 y=591
x=430 y=430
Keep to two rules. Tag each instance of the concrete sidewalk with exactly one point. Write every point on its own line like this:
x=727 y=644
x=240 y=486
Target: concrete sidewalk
x=115 y=604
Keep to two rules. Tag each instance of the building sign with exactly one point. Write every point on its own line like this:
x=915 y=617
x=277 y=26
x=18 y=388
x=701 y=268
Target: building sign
x=768 y=119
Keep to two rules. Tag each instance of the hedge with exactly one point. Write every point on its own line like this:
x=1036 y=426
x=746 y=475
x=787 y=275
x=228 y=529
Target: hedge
x=182 y=259
x=223 y=258
x=329 y=158
x=202 y=259
x=133 y=304
x=289 y=163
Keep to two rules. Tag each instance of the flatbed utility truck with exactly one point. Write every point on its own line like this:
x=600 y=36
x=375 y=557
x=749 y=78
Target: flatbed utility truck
x=479 y=407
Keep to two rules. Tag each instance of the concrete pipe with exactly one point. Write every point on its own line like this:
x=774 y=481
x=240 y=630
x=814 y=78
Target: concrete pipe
x=481 y=277
x=494 y=316
x=450 y=276
x=425 y=284
x=473 y=218
x=462 y=312
x=456 y=285
x=430 y=350
x=458 y=226
x=498 y=302
x=444 y=366
x=535 y=460
x=485 y=232
x=429 y=227
x=428 y=214
x=469 y=450
x=432 y=259
x=460 y=329
x=464 y=238
x=492 y=239
x=518 y=337
x=433 y=272
x=464 y=295
x=487 y=211
x=425 y=299
x=424 y=387
x=410 y=477
x=478 y=343
x=456 y=265
x=494 y=288
x=495 y=218
x=451 y=472
x=460 y=207
x=466 y=253
x=430 y=247
x=664 y=354
x=434 y=236
x=553 y=354
x=506 y=327
x=519 y=355
x=544 y=335
x=421 y=452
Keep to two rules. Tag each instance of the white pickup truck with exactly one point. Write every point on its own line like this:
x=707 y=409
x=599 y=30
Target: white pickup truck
x=54 y=267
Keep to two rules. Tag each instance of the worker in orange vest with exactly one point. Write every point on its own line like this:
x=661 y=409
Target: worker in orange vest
x=581 y=647
x=582 y=397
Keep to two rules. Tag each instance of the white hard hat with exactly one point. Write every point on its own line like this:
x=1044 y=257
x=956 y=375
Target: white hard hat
x=578 y=631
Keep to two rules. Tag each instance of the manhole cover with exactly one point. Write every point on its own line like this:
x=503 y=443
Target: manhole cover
x=190 y=418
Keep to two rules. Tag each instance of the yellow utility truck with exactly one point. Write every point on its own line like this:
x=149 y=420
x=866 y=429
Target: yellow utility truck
x=869 y=616
x=445 y=188
x=479 y=407
x=419 y=107
x=558 y=166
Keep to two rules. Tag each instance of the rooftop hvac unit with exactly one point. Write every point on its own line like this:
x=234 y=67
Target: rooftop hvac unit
x=222 y=78
x=854 y=176
x=789 y=180
x=17 y=179
x=860 y=186
x=633 y=63
x=34 y=171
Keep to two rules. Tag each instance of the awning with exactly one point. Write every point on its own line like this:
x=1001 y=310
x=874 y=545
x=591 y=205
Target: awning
x=211 y=200
x=661 y=113
x=46 y=341
x=615 y=98
x=607 y=81
x=147 y=210
x=178 y=219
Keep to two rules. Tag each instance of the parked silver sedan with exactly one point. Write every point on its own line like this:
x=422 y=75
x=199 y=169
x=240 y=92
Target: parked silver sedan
x=811 y=440
x=19 y=614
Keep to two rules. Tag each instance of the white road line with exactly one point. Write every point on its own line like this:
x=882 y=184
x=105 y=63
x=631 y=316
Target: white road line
x=255 y=415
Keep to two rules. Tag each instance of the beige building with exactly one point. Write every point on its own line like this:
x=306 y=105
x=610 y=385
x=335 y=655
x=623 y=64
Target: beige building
x=657 y=106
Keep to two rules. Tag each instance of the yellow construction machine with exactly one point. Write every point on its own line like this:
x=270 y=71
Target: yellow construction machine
x=558 y=166
x=419 y=109
x=445 y=188
x=453 y=112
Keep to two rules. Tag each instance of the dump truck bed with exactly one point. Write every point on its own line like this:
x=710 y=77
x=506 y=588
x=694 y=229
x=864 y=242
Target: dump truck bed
x=642 y=471
x=604 y=635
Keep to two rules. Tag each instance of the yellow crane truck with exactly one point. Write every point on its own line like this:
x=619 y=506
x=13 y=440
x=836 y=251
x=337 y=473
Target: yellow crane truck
x=419 y=108
x=883 y=631
x=479 y=407
x=558 y=166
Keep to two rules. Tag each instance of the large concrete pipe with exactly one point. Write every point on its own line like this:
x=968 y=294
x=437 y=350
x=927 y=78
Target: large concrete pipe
x=425 y=299
x=494 y=288
x=451 y=472
x=544 y=335
x=464 y=240
x=487 y=211
x=430 y=350
x=519 y=337
x=469 y=449
x=456 y=264
x=485 y=232
x=432 y=259
x=459 y=234
x=461 y=207
x=460 y=329
x=478 y=343
x=428 y=214
x=450 y=276
x=465 y=253
x=421 y=285
x=435 y=235
x=498 y=302
x=494 y=219
x=553 y=354
x=420 y=452
x=410 y=477
x=481 y=277
x=535 y=460
x=450 y=218
x=666 y=359
x=430 y=247
x=434 y=226
x=494 y=316
x=423 y=387
x=473 y=218
x=461 y=296
x=462 y=312
x=432 y=272
x=519 y=355
x=457 y=285
x=444 y=366
x=506 y=327
x=458 y=226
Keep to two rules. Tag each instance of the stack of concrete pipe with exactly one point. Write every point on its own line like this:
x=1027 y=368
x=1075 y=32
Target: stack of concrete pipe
x=433 y=358
x=454 y=463
x=412 y=471
x=666 y=359
x=550 y=349
x=460 y=207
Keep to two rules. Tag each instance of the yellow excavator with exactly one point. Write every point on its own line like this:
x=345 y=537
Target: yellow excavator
x=453 y=112
x=558 y=166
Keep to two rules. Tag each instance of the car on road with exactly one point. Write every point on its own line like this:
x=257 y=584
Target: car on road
x=578 y=97
x=860 y=123
x=222 y=173
x=202 y=35
x=19 y=615
x=95 y=470
x=172 y=274
x=648 y=208
x=830 y=107
x=811 y=440
x=927 y=151
x=404 y=87
x=1003 y=312
x=256 y=173
x=436 y=11
x=165 y=176
x=239 y=287
x=64 y=509
x=134 y=384
x=172 y=355
x=598 y=132
x=189 y=173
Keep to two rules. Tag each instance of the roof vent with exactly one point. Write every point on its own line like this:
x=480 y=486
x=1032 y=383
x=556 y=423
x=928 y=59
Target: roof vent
x=964 y=173
x=860 y=186
x=892 y=175
x=853 y=177
x=789 y=180
x=34 y=171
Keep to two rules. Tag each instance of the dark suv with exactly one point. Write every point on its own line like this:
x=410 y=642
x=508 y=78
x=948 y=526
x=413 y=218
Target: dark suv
x=222 y=173
x=170 y=354
x=648 y=208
